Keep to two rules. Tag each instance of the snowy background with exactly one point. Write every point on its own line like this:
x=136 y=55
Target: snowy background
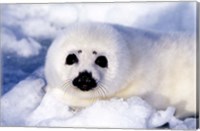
x=27 y=30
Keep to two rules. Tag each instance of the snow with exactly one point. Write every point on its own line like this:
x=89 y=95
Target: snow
x=21 y=101
x=27 y=104
x=161 y=117
x=24 y=47
x=27 y=30
x=47 y=20
x=104 y=114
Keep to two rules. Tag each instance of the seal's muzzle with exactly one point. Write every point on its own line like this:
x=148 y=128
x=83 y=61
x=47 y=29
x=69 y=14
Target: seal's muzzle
x=85 y=81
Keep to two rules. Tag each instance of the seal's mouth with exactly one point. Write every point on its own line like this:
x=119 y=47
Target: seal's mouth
x=84 y=81
x=86 y=87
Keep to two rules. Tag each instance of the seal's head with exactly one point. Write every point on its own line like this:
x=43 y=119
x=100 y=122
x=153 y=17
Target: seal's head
x=88 y=61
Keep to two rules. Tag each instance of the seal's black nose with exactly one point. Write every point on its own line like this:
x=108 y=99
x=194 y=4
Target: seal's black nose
x=84 y=81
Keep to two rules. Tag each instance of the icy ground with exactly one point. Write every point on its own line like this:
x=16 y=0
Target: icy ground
x=28 y=105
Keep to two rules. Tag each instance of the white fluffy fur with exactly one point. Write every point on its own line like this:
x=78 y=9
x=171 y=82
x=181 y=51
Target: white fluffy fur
x=159 y=68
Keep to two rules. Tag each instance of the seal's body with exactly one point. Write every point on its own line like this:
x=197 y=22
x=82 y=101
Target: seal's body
x=99 y=61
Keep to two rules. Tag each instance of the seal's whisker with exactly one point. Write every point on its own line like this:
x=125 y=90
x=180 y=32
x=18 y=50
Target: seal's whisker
x=93 y=98
x=103 y=88
x=66 y=81
x=63 y=83
x=100 y=92
x=65 y=86
x=104 y=91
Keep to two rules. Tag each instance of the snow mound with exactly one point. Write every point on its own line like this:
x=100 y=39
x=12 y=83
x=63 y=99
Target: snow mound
x=27 y=104
x=17 y=104
x=115 y=113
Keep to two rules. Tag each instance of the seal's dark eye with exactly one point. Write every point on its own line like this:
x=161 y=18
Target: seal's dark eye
x=102 y=61
x=71 y=59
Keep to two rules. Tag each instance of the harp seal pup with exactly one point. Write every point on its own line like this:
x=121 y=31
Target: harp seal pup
x=94 y=61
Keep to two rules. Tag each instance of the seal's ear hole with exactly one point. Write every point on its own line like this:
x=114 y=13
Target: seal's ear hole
x=71 y=59
x=101 y=61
